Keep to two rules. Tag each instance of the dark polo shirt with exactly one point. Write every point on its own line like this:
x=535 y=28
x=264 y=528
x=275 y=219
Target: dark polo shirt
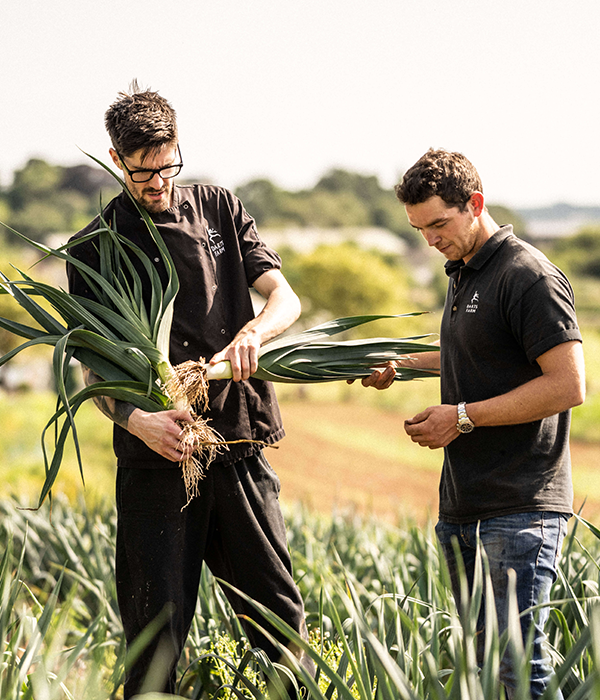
x=218 y=255
x=504 y=308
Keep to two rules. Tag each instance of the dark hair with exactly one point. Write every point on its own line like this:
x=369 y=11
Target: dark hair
x=140 y=120
x=449 y=175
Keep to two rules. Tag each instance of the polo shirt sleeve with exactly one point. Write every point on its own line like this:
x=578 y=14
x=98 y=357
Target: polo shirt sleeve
x=257 y=256
x=544 y=315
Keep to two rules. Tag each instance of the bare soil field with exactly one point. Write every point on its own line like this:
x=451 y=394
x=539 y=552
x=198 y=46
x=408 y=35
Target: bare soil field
x=357 y=458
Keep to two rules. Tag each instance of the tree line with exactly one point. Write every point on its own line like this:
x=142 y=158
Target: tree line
x=44 y=198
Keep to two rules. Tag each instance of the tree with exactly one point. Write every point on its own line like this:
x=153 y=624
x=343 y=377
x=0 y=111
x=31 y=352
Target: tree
x=382 y=206
x=88 y=181
x=323 y=209
x=37 y=180
x=345 y=280
x=503 y=215
x=46 y=198
x=363 y=187
x=580 y=254
x=262 y=199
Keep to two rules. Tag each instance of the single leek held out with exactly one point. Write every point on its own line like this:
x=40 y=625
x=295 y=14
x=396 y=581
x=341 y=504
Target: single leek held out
x=221 y=370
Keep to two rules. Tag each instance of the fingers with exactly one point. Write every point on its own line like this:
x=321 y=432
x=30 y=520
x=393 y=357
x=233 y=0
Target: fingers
x=243 y=359
x=380 y=378
x=419 y=418
x=418 y=434
x=434 y=427
x=244 y=362
x=172 y=440
x=178 y=414
x=161 y=432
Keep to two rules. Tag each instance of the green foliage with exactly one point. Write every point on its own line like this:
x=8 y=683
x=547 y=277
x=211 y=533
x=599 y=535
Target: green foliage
x=580 y=254
x=273 y=207
x=325 y=209
x=382 y=621
x=124 y=343
x=382 y=205
x=346 y=280
x=45 y=198
x=363 y=187
x=503 y=215
x=22 y=416
x=4 y=209
x=339 y=199
x=263 y=199
x=37 y=180
x=310 y=356
x=15 y=257
x=586 y=418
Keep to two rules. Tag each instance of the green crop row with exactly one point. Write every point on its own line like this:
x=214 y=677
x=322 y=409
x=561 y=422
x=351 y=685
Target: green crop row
x=382 y=621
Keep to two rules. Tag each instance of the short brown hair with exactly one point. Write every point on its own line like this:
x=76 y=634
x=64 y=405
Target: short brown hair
x=140 y=119
x=443 y=173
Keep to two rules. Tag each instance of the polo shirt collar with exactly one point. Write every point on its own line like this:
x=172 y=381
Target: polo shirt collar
x=484 y=253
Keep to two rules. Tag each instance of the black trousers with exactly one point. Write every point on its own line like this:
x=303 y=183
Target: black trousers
x=235 y=525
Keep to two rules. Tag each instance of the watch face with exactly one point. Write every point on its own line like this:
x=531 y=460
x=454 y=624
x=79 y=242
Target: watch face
x=466 y=426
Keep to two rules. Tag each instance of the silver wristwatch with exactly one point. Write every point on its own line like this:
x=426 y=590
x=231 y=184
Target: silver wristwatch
x=465 y=424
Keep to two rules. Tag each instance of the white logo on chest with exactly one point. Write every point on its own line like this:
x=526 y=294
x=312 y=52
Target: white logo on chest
x=216 y=242
x=474 y=304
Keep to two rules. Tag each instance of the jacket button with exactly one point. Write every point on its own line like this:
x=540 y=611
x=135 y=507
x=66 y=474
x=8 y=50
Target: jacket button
x=185 y=343
x=223 y=331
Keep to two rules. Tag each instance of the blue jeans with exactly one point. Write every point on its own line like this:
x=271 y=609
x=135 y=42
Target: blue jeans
x=529 y=543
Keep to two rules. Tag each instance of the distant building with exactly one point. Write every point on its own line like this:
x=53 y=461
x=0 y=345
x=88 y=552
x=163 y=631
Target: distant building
x=305 y=240
x=558 y=220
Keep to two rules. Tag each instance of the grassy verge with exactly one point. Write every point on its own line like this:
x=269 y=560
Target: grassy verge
x=23 y=416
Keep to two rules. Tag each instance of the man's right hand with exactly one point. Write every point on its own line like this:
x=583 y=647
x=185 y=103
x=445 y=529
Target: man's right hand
x=161 y=432
x=381 y=378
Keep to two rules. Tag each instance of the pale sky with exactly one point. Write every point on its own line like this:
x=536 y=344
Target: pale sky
x=288 y=90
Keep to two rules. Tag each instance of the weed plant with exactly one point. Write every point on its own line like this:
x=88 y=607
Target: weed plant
x=382 y=620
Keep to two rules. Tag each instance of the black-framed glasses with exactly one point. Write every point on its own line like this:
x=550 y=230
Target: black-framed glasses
x=165 y=173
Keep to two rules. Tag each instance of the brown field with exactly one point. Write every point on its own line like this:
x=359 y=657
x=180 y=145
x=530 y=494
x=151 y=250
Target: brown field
x=347 y=456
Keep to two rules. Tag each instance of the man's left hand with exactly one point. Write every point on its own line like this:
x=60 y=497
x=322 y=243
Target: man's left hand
x=434 y=427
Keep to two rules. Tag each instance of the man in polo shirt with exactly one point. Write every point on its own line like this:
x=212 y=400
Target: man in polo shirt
x=235 y=524
x=511 y=367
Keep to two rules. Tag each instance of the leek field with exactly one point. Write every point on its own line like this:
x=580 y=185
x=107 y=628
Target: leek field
x=382 y=621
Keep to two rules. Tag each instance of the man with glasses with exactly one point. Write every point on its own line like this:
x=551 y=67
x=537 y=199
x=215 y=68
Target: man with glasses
x=153 y=199
x=235 y=524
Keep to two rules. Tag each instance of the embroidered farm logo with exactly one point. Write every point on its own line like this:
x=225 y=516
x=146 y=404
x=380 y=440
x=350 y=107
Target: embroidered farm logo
x=216 y=242
x=472 y=307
